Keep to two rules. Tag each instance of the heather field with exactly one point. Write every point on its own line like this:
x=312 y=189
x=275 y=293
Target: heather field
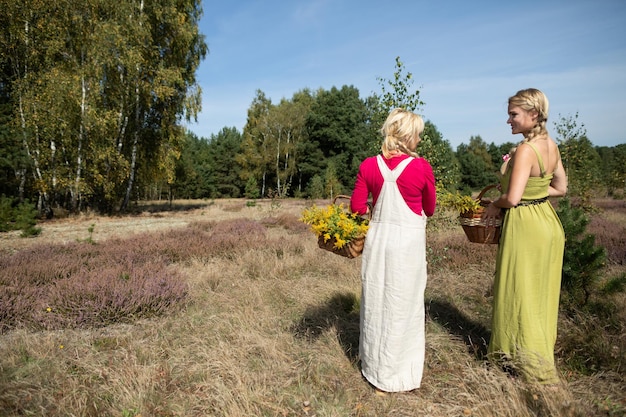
x=229 y=308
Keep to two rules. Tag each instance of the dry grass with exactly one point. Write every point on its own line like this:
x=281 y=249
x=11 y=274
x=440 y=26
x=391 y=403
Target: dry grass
x=275 y=333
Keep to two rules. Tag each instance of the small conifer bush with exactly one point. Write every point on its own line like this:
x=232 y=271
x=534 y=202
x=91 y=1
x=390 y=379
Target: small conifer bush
x=583 y=260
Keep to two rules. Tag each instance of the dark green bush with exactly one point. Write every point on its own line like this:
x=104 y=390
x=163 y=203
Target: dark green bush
x=22 y=216
x=6 y=212
x=583 y=259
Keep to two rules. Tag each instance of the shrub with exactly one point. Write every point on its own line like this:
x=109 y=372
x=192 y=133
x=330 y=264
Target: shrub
x=6 y=212
x=611 y=236
x=22 y=216
x=287 y=221
x=252 y=188
x=592 y=340
x=83 y=284
x=118 y=293
x=462 y=203
x=582 y=260
x=79 y=285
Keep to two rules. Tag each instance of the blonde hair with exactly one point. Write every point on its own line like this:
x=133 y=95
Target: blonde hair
x=532 y=99
x=401 y=132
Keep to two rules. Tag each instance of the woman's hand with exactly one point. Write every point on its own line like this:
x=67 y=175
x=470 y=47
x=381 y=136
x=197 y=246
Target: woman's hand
x=491 y=214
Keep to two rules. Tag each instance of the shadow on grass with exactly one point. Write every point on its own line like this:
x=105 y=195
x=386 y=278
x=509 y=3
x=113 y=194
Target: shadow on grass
x=341 y=311
x=474 y=335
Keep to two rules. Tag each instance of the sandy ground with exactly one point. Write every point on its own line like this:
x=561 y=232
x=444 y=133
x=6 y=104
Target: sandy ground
x=155 y=217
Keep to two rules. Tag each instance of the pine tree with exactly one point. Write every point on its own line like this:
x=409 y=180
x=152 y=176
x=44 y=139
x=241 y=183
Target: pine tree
x=583 y=260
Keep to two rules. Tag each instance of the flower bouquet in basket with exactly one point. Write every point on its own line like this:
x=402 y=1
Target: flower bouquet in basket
x=337 y=229
x=470 y=216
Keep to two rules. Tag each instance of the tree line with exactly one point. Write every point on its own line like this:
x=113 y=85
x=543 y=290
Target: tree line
x=311 y=145
x=93 y=97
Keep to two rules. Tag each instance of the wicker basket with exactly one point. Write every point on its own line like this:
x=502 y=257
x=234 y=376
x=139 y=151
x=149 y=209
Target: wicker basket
x=475 y=228
x=352 y=249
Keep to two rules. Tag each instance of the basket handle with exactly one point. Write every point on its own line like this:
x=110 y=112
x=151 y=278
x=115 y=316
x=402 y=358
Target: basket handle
x=369 y=205
x=484 y=190
x=347 y=197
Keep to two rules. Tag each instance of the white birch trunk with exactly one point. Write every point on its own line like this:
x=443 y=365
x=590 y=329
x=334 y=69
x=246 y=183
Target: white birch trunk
x=133 y=161
x=79 y=151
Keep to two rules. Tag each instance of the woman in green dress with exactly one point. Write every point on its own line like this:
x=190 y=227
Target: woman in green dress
x=530 y=253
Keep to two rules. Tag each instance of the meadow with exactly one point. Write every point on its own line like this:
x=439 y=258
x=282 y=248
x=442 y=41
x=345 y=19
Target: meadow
x=229 y=308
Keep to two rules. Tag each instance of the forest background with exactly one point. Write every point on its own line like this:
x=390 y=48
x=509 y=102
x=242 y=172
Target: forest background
x=94 y=99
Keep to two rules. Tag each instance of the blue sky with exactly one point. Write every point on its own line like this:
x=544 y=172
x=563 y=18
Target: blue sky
x=466 y=57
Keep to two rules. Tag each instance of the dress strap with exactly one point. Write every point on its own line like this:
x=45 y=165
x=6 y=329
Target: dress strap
x=539 y=159
x=389 y=174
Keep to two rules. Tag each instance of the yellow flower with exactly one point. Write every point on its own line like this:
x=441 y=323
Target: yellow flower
x=335 y=222
x=339 y=242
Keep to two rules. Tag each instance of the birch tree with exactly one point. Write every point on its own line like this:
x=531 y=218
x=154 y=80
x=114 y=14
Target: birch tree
x=255 y=159
x=99 y=91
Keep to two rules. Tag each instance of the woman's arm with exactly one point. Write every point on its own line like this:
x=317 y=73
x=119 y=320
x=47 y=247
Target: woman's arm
x=429 y=194
x=360 y=194
x=522 y=162
x=558 y=185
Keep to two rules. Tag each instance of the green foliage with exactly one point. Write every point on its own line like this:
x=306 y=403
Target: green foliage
x=614 y=285
x=132 y=412
x=337 y=126
x=26 y=219
x=580 y=160
x=332 y=185
x=398 y=92
x=89 y=239
x=22 y=216
x=254 y=157
x=613 y=169
x=335 y=222
x=462 y=203
x=12 y=155
x=441 y=157
x=6 y=214
x=97 y=113
x=582 y=260
x=497 y=153
x=225 y=180
x=477 y=168
x=209 y=168
x=316 y=187
x=275 y=144
x=252 y=188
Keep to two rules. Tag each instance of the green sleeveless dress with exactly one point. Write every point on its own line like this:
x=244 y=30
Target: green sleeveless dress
x=528 y=281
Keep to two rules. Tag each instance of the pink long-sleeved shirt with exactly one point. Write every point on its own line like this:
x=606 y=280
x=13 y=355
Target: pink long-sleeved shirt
x=416 y=184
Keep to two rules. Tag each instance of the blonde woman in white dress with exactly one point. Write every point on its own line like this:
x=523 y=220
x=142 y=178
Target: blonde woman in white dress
x=393 y=273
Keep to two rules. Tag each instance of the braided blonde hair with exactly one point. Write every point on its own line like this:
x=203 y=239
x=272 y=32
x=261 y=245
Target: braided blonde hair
x=401 y=132
x=532 y=99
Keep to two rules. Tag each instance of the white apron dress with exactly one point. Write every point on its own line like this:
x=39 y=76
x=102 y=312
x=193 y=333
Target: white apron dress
x=393 y=278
